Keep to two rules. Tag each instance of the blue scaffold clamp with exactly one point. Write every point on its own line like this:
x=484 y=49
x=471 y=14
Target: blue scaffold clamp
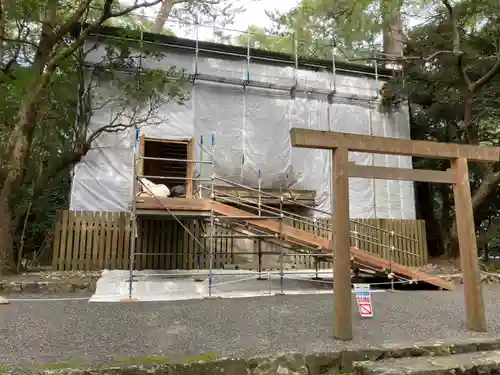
x=137 y=134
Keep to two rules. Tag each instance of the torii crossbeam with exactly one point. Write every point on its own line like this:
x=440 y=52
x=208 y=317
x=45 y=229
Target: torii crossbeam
x=458 y=175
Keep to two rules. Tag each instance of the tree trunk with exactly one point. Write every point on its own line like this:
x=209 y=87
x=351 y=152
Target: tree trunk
x=470 y=126
x=486 y=190
x=162 y=16
x=3 y=25
x=425 y=208
x=392 y=30
x=446 y=219
x=7 y=264
x=10 y=184
x=483 y=195
x=20 y=140
x=483 y=243
x=447 y=204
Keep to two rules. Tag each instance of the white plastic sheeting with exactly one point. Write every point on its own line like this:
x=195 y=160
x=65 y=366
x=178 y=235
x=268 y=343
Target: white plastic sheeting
x=175 y=285
x=251 y=131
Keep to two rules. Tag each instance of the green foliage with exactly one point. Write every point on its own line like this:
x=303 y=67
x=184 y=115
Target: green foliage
x=438 y=93
x=258 y=38
x=494 y=243
x=319 y=25
x=140 y=361
x=57 y=135
x=136 y=22
x=60 y=365
x=221 y=12
x=161 y=360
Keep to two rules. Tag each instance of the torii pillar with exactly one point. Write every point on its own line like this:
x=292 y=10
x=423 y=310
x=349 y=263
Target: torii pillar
x=340 y=144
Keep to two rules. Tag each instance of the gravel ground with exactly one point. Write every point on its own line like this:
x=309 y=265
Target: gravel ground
x=34 y=332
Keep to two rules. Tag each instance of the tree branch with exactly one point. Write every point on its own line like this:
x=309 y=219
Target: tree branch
x=471 y=86
x=20 y=41
x=463 y=71
x=495 y=69
x=456 y=43
x=163 y=14
x=64 y=162
x=75 y=17
x=431 y=57
x=106 y=14
x=112 y=128
x=3 y=25
x=128 y=10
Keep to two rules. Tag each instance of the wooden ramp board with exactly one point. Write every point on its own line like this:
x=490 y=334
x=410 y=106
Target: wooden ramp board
x=364 y=258
x=297 y=237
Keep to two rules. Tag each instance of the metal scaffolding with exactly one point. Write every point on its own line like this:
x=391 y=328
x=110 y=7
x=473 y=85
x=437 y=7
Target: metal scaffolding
x=208 y=186
x=263 y=212
x=295 y=88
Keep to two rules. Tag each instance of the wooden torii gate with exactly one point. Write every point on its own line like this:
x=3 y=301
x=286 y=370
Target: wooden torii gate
x=457 y=175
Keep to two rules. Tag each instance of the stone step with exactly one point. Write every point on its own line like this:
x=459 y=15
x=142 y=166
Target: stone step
x=470 y=356
x=428 y=348
x=485 y=363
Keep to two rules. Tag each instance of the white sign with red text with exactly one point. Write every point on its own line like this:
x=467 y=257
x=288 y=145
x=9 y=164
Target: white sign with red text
x=364 y=300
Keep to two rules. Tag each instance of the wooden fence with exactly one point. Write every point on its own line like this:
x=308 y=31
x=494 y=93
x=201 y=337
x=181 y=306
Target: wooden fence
x=377 y=236
x=101 y=240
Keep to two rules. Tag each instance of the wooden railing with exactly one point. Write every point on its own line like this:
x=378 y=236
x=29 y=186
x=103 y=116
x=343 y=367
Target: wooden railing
x=401 y=241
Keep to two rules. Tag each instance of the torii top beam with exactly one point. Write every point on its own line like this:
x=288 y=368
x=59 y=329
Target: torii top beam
x=306 y=138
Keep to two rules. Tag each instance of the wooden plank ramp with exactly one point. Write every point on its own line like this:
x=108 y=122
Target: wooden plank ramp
x=300 y=237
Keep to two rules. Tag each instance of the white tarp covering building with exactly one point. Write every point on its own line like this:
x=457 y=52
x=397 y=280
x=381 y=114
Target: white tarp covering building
x=251 y=132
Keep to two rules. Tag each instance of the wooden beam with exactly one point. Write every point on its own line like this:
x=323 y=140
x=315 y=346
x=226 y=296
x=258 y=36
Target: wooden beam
x=191 y=155
x=140 y=167
x=341 y=246
x=402 y=174
x=474 y=304
x=140 y=163
x=174 y=204
x=306 y=138
x=292 y=194
x=161 y=140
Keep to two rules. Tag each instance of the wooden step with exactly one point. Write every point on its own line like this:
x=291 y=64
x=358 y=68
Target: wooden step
x=321 y=244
